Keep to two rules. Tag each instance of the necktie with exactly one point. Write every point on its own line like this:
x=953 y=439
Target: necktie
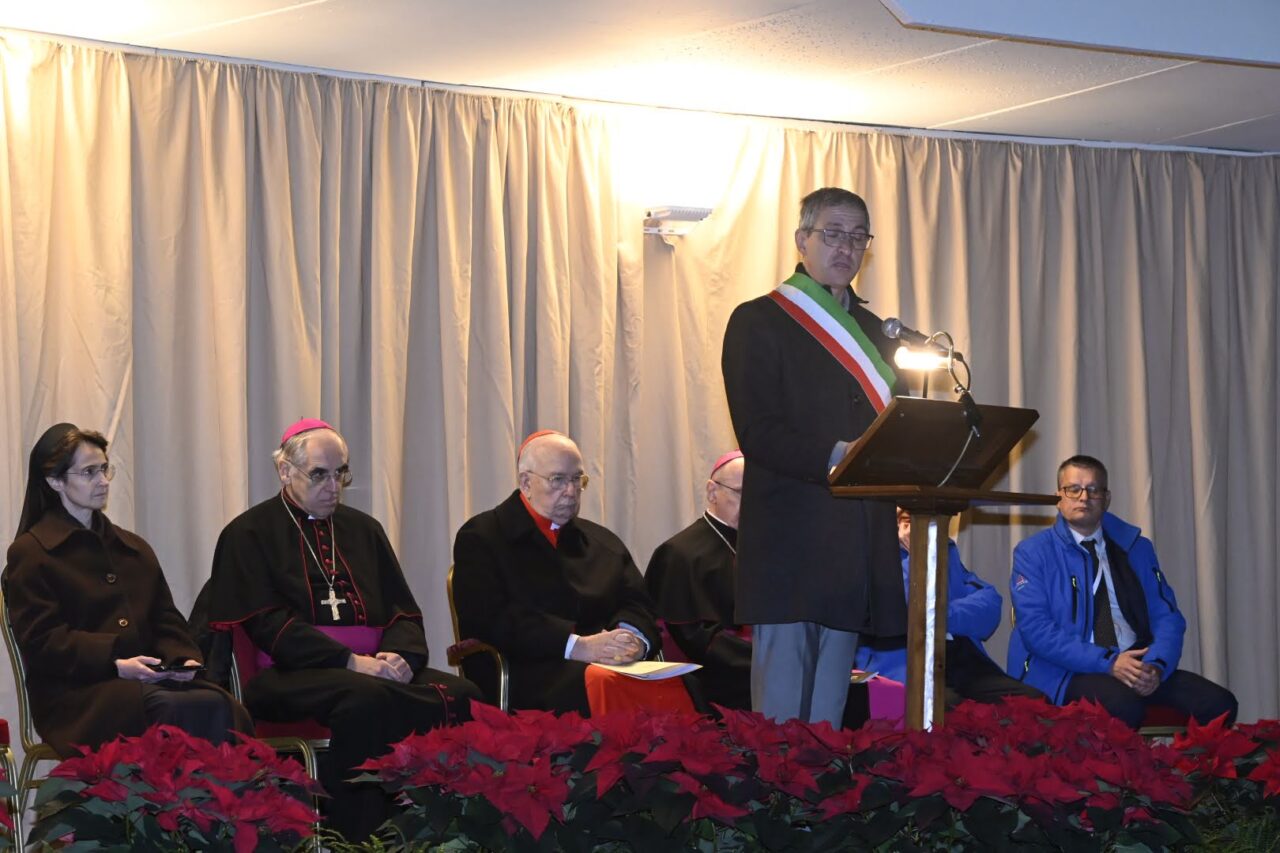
x=1104 y=627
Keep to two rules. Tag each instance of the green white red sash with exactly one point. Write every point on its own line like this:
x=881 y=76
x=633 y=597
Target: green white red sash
x=813 y=307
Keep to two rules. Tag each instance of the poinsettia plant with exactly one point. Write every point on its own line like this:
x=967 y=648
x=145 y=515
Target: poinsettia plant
x=1021 y=774
x=7 y=792
x=1236 y=775
x=167 y=790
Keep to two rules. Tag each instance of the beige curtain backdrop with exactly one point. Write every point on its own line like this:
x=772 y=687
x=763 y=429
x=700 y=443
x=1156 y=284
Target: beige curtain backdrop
x=193 y=254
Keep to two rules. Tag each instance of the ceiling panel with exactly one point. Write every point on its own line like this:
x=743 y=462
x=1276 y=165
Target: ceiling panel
x=1160 y=108
x=1260 y=134
x=834 y=60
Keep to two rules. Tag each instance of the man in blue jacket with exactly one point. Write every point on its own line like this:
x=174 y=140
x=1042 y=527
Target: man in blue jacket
x=973 y=614
x=1094 y=617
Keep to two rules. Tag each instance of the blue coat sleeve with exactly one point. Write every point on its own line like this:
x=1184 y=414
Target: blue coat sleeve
x=1045 y=619
x=1168 y=627
x=973 y=608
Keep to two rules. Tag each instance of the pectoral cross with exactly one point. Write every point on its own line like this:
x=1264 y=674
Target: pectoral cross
x=333 y=601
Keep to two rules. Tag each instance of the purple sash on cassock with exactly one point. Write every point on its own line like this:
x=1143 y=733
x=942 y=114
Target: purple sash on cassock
x=361 y=639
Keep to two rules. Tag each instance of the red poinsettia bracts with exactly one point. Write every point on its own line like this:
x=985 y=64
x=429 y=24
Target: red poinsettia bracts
x=240 y=793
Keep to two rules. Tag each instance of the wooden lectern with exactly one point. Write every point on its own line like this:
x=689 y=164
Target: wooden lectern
x=903 y=457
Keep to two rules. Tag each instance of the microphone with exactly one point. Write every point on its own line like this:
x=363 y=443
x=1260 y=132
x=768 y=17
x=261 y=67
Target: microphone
x=893 y=328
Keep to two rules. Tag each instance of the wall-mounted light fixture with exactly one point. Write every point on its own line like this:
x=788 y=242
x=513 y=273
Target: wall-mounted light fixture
x=672 y=221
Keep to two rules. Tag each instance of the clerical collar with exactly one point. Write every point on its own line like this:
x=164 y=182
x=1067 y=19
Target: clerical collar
x=546 y=526
x=727 y=533
x=298 y=511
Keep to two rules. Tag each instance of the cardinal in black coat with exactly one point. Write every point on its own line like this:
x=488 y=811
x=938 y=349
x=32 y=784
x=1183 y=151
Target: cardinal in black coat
x=551 y=591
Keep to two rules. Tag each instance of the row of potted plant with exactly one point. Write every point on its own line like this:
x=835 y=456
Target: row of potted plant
x=1019 y=775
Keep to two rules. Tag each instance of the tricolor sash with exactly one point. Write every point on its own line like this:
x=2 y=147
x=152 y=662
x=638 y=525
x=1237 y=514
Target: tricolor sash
x=813 y=307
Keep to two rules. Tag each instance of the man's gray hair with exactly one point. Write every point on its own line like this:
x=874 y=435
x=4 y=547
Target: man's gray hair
x=819 y=200
x=294 y=451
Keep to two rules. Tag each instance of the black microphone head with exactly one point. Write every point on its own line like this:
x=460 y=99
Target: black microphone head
x=891 y=327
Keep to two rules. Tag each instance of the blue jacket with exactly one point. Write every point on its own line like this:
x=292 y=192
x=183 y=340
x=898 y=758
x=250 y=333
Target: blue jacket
x=1050 y=587
x=973 y=611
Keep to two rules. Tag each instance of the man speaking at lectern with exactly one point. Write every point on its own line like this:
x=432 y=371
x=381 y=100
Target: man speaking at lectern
x=806 y=371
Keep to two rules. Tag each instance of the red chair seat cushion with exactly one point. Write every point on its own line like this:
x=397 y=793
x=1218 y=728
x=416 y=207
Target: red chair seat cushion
x=305 y=729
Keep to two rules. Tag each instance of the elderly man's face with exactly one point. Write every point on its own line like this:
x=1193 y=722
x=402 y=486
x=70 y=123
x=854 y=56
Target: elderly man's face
x=1084 y=512
x=316 y=486
x=724 y=492
x=554 y=482
x=832 y=266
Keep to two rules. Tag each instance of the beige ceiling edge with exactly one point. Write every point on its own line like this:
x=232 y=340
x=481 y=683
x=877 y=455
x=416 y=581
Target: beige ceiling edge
x=778 y=121
x=1233 y=31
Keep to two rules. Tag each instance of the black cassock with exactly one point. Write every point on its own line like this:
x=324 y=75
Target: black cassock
x=523 y=596
x=690 y=578
x=267 y=580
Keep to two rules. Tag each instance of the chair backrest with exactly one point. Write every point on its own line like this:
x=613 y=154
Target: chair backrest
x=479 y=662
x=453 y=609
x=244 y=666
x=26 y=725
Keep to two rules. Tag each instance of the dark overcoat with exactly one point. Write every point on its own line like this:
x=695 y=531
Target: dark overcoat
x=78 y=599
x=804 y=555
x=513 y=590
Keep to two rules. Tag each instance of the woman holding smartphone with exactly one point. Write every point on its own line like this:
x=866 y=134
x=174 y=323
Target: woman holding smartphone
x=106 y=651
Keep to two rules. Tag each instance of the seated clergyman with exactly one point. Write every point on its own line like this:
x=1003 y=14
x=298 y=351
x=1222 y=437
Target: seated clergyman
x=691 y=577
x=554 y=592
x=318 y=590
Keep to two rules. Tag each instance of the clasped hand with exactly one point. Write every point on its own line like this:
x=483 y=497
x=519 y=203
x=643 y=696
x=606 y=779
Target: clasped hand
x=138 y=668
x=388 y=665
x=611 y=647
x=1129 y=669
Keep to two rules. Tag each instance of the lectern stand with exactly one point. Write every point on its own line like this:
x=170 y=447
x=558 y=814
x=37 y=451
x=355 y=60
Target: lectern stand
x=912 y=447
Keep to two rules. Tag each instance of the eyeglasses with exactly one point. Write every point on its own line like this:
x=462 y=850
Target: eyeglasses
x=91 y=473
x=318 y=476
x=1089 y=493
x=737 y=491
x=835 y=238
x=560 y=482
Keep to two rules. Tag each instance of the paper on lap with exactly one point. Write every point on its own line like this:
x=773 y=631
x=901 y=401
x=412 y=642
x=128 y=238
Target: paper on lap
x=651 y=670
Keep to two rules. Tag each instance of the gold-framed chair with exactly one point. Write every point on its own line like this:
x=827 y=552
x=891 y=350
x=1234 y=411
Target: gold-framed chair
x=494 y=671
x=34 y=750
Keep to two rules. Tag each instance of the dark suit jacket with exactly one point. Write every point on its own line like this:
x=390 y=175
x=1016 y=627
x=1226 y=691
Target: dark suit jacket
x=517 y=593
x=803 y=555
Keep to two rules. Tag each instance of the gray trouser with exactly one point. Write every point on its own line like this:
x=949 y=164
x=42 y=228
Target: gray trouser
x=800 y=670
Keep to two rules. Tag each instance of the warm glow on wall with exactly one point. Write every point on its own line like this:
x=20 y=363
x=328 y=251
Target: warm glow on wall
x=103 y=20
x=673 y=158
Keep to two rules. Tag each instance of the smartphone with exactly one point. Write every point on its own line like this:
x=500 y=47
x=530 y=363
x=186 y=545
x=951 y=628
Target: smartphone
x=175 y=667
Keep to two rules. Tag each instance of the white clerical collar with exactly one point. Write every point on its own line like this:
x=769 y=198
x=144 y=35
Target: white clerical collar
x=719 y=519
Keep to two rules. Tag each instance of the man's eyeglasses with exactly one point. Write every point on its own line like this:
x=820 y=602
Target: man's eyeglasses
x=91 y=473
x=835 y=238
x=318 y=476
x=560 y=482
x=733 y=489
x=1089 y=493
